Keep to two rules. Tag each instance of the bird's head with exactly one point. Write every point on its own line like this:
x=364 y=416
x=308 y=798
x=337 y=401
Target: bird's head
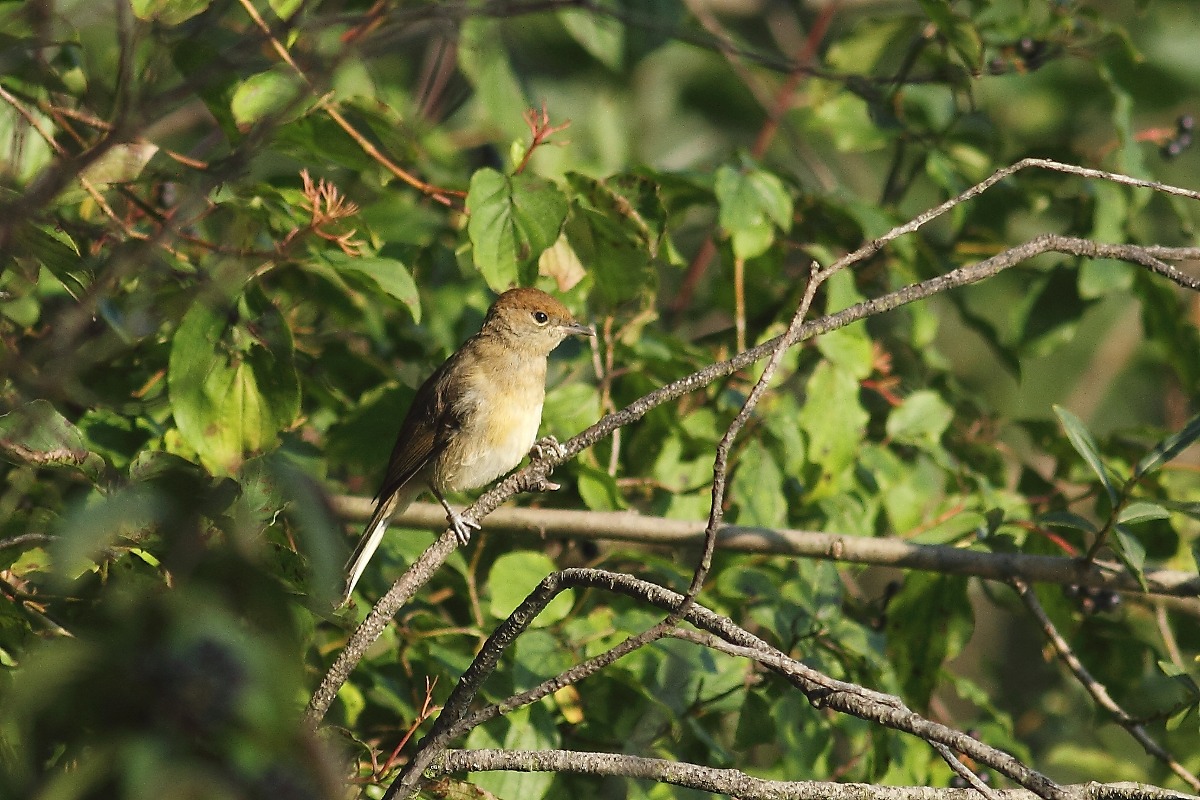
x=532 y=319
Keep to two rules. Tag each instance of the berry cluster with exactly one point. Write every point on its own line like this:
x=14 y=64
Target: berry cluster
x=1090 y=600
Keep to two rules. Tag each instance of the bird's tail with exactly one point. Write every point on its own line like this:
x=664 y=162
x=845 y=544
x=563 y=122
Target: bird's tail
x=369 y=543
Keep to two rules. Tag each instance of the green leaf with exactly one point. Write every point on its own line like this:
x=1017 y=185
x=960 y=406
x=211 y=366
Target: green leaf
x=921 y=419
x=390 y=275
x=1066 y=519
x=512 y=220
x=1131 y=552
x=120 y=164
x=514 y=576
x=1168 y=448
x=233 y=385
x=1142 y=512
x=35 y=434
x=618 y=263
x=601 y=35
x=929 y=621
x=276 y=92
x=598 y=489
x=752 y=203
x=758 y=488
x=483 y=59
x=168 y=12
x=1085 y=445
x=834 y=422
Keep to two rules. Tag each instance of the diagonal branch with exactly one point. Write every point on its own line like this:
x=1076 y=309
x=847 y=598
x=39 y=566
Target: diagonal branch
x=1096 y=689
x=1153 y=258
x=820 y=689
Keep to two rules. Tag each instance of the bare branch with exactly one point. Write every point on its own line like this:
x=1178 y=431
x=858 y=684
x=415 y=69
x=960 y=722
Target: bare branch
x=739 y=784
x=628 y=526
x=821 y=690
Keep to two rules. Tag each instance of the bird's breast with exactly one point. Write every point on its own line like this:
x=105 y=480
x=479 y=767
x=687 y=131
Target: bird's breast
x=501 y=410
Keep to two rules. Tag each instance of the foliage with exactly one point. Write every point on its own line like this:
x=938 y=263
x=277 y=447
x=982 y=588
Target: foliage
x=224 y=272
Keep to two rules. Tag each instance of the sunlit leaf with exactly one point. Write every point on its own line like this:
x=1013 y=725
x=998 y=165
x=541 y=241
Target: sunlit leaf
x=513 y=220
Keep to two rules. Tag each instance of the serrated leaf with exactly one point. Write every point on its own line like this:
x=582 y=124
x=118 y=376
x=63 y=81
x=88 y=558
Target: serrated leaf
x=514 y=576
x=1131 y=552
x=1085 y=445
x=1142 y=512
x=35 y=434
x=512 y=221
x=1168 y=448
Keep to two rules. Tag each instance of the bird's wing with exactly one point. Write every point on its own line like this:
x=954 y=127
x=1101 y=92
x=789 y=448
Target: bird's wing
x=425 y=432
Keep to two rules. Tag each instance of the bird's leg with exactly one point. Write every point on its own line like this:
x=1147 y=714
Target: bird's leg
x=462 y=527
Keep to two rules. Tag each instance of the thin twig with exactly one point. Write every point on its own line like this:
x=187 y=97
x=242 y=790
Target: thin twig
x=326 y=104
x=1096 y=689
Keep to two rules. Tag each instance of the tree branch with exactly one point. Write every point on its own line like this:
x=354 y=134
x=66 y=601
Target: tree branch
x=1153 y=258
x=821 y=690
x=1096 y=689
x=628 y=526
x=739 y=784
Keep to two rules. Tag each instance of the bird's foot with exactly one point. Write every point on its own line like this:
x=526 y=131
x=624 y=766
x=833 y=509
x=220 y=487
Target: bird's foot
x=548 y=447
x=462 y=527
x=527 y=483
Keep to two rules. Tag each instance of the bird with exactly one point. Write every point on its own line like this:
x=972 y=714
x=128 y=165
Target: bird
x=474 y=418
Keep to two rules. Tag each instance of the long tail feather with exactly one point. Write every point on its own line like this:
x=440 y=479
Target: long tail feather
x=368 y=544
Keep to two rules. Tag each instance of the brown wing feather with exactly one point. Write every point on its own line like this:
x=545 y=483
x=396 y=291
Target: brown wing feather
x=424 y=434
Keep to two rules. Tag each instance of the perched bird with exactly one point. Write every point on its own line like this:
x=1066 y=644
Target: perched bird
x=475 y=417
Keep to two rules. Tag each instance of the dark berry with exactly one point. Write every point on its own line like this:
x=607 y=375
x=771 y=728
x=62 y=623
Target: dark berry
x=1186 y=122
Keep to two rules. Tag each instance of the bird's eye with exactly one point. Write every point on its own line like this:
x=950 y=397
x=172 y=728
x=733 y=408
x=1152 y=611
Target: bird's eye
x=541 y=317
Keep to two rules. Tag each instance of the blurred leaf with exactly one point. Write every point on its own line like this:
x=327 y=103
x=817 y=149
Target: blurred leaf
x=168 y=12
x=834 y=422
x=267 y=94
x=514 y=576
x=232 y=381
x=929 y=621
x=601 y=35
x=921 y=419
x=758 y=488
x=752 y=204
x=1168 y=448
x=121 y=163
x=37 y=435
x=598 y=489
x=513 y=219
x=1085 y=445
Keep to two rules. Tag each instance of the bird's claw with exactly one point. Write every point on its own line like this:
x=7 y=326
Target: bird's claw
x=461 y=527
x=548 y=447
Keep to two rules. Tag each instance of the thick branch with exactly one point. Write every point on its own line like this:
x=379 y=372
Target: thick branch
x=738 y=784
x=627 y=526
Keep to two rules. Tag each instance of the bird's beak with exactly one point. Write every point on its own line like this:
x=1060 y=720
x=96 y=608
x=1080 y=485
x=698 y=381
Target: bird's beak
x=579 y=328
